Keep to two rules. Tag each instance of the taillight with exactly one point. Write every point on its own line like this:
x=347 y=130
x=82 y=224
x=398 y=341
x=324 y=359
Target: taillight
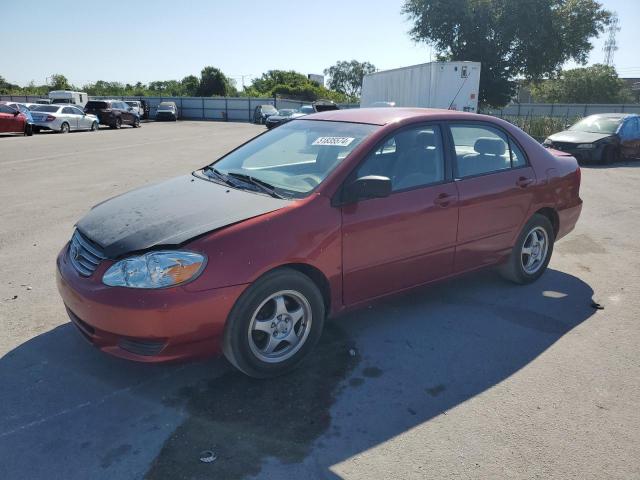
x=50 y=118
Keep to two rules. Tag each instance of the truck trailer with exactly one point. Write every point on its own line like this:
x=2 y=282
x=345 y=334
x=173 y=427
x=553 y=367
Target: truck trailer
x=69 y=96
x=448 y=85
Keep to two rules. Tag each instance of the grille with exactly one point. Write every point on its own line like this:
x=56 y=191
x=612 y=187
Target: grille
x=84 y=256
x=565 y=147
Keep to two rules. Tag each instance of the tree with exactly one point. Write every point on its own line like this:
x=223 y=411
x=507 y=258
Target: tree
x=6 y=87
x=60 y=82
x=511 y=38
x=190 y=85
x=595 y=84
x=273 y=78
x=346 y=77
x=213 y=82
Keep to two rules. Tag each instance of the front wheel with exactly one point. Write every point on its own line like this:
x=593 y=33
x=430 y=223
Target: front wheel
x=275 y=324
x=28 y=129
x=64 y=128
x=532 y=251
x=136 y=122
x=94 y=126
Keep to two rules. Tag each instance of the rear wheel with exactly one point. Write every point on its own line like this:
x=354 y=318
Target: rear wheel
x=136 y=122
x=275 y=324
x=36 y=129
x=532 y=251
x=117 y=123
x=64 y=128
x=28 y=129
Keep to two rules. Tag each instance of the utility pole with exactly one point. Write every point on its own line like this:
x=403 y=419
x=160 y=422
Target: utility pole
x=242 y=77
x=611 y=45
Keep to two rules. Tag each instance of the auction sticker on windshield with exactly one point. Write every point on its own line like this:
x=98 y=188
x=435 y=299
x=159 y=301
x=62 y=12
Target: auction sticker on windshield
x=334 y=141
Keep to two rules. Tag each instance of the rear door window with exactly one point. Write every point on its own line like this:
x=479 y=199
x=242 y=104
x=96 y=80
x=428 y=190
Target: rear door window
x=482 y=149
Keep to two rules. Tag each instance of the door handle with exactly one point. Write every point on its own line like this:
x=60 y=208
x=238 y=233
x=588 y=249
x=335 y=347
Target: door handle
x=443 y=200
x=524 y=182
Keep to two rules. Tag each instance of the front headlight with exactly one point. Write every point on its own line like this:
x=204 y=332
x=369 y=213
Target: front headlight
x=585 y=146
x=155 y=270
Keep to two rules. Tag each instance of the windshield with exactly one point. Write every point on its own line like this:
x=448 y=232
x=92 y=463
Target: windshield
x=597 y=124
x=132 y=104
x=306 y=109
x=268 y=108
x=296 y=157
x=165 y=106
x=285 y=112
x=45 y=108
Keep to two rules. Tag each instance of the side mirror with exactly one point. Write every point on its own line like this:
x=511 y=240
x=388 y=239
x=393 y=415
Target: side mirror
x=16 y=113
x=371 y=186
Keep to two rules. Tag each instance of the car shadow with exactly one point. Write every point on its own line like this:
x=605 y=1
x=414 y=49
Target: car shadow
x=633 y=163
x=69 y=411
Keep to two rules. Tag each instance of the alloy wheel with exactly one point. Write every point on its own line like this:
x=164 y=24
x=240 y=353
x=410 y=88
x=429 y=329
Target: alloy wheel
x=534 y=250
x=280 y=326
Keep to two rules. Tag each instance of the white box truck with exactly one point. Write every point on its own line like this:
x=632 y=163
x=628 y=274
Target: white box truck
x=448 y=85
x=68 y=96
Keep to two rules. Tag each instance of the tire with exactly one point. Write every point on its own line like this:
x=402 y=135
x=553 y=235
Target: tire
x=28 y=130
x=95 y=127
x=281 y=305
x=609 y=155
x=522 y=267
x=117 y=124
x=36 y=129
x=136 y=123
x=64 y=128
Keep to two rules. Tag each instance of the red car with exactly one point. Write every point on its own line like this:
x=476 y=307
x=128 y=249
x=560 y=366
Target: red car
x=328 y=212
x=13 y=121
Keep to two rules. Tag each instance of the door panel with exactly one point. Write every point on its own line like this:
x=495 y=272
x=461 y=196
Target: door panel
x=493 y=208
x=67 y=115
x=6 y=122
x=397 y=242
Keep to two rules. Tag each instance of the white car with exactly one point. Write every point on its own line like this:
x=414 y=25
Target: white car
x=62 y=118
x=136 y=105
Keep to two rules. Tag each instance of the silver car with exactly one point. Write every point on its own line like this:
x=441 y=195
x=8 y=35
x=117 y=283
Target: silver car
x=62 y=118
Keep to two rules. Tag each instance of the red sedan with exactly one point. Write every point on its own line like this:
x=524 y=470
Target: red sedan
x=12 y=120
x=248 y=255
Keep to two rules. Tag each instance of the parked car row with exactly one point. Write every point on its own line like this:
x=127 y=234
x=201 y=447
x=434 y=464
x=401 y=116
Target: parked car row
x=65 y=116
x=271 y=117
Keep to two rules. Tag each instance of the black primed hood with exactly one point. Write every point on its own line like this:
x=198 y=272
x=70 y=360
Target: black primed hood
x=573 y=136
x=170 y=213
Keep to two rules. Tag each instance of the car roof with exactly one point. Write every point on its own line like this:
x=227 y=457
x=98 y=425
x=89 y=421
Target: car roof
x=383 y=116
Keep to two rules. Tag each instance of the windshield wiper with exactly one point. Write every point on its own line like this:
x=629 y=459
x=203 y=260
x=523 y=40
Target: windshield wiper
x=261 y=184
x=218 y=174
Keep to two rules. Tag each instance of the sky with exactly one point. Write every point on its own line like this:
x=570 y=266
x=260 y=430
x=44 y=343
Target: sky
x=146 y=40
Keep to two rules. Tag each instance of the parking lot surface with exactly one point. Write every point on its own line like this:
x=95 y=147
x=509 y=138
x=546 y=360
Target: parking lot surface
x=472 y=378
